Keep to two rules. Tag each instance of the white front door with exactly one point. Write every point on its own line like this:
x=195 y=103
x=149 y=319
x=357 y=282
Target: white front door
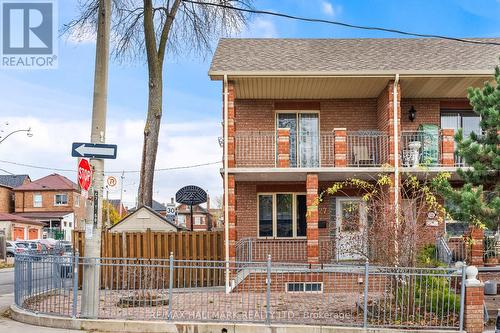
x=351 y=235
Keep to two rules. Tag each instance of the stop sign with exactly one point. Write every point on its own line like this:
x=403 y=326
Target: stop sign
x=84 y=174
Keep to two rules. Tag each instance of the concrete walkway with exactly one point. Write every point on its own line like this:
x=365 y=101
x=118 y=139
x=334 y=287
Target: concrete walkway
x=11 y=326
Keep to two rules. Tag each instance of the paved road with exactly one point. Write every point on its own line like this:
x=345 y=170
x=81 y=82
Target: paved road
x=6 y=281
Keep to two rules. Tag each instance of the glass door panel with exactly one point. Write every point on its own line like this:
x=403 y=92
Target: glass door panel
x=471 y=124
x=284 y=215
x=289 y=120
x=301 y=215
x=308 y=140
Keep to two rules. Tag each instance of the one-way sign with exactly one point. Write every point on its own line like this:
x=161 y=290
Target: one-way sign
x=93 y=150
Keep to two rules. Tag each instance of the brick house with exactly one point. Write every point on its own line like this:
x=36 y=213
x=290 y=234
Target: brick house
x=300 y=114
x=7 y=185
x=54 y=200
x=200 y=221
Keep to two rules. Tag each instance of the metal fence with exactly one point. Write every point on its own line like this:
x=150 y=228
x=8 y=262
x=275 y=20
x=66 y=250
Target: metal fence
x=420 y=148
x=283 y=250
x=367 y=148
x=260 y=292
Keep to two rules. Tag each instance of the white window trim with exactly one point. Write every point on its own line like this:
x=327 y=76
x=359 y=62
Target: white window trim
x=55 y=200
x=34 y=201
x=297 y=112
x=77 y=200
x=275 y=214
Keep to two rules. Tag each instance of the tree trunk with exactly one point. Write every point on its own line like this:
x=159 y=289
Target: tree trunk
x=150 y=146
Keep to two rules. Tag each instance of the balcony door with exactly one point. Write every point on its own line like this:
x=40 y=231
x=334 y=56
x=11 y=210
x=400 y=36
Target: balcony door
x=304 y=137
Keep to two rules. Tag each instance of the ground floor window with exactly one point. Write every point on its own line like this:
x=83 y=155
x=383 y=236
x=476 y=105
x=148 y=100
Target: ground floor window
x=282 y=215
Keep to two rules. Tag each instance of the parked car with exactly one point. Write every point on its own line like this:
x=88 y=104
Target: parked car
x=15 y=247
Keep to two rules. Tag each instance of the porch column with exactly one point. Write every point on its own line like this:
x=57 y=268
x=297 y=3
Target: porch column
x=447 y=147
x=312 y=219
x=474 y=302
x=477 y=246
x=283 y=147
x=231 y=149
x=231 y=217
x=340 y=149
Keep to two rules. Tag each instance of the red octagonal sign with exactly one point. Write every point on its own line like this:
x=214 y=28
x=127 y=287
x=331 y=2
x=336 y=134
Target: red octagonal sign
x=84 y=174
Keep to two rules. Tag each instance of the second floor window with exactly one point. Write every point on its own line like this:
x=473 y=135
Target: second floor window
x=37 y=200
x=198 y=220
x=304 y=137
x=77 y=200
x=61 y=199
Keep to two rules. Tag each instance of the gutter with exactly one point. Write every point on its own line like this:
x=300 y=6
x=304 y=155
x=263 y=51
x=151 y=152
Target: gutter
x=226 y=185
x=219 y=75
x=396 y=155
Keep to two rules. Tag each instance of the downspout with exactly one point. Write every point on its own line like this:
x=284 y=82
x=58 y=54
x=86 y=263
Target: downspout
x=226 y=186
x=396 y=161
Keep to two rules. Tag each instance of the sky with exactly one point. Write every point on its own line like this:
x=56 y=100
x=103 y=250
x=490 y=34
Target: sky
x=57 y=103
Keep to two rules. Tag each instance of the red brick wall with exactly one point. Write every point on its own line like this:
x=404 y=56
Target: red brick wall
x=254 y=115
x=6 y=202
x=428 y=112
x=354 y=114
x=332 y=282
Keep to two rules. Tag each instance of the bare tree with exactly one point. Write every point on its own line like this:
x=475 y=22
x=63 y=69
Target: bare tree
x=381 y=240
x=150 y=29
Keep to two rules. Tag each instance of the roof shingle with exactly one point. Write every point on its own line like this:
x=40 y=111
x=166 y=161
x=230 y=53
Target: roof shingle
x=50 y=182
x=12 y=180
x=352 y=55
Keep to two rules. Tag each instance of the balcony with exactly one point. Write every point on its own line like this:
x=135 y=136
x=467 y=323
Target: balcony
x=428 y=148
x=328 y=149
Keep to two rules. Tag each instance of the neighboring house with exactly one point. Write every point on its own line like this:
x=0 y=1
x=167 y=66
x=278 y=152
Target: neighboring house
x=119 y=206
x=157 y=207
x=217 y=219
x=7 y=184
x=304 y=113
x=201 y=220
x=142 y=219
x=16 y=227
x=55 y=200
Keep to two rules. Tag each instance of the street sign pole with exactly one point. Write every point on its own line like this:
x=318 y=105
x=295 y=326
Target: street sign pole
x=91 y=271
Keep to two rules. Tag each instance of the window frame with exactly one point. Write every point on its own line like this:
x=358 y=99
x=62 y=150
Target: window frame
x=297 y=115
x=35 y=195
x=77 y=200
x=461 y=112
x=304 y=289
x=275 y=215
x=61 y=204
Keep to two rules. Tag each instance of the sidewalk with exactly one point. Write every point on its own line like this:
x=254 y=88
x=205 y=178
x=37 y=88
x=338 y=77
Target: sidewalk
x=11 y=326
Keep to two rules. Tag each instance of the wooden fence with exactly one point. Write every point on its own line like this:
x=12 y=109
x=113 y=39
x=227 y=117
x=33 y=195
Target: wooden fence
x=154 y=245
x=196 y=245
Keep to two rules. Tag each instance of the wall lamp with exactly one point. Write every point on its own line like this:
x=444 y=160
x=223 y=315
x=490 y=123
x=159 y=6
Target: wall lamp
x=412 y=113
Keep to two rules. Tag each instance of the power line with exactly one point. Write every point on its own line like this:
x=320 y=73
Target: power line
x=109 y=172
x=343 y=24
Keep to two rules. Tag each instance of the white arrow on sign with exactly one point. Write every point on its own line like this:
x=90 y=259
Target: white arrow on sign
x=93 y=150
x=85 y=150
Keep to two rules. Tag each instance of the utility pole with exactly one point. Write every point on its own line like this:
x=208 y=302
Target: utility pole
x=121 y=193
x=108 y=224
x=93 y=223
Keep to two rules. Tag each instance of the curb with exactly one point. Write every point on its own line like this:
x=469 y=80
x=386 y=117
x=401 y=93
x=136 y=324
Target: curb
x=139 y=326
